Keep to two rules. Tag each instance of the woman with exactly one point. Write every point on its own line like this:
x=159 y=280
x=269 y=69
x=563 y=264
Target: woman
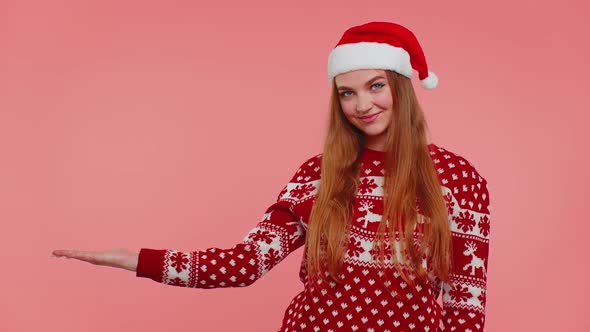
x=386 y=219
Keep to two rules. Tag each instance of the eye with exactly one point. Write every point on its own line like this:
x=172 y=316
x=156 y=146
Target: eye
x=378 y=84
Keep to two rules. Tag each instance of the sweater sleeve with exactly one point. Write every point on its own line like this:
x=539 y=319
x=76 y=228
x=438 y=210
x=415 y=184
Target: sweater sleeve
x=279 y=232
x=464 y=297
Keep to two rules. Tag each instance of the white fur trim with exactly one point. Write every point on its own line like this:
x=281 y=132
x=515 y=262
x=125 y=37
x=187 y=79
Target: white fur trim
x=430 y=82
x=368 y=55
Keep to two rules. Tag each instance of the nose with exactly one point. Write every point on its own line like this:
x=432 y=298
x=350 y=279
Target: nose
x=363 y=103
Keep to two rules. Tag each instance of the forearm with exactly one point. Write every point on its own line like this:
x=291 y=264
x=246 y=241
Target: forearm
x=276 y=236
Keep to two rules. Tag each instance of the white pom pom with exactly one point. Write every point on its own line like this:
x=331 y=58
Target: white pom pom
x=430 y=82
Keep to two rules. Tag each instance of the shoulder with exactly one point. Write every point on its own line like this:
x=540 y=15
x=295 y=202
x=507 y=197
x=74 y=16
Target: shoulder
x=304 y=182
x=461 y=177
x=309 y=169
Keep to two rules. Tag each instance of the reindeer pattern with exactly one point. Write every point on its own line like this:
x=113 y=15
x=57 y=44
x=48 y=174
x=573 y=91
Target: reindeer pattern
x=476 y=262
x=369 y=216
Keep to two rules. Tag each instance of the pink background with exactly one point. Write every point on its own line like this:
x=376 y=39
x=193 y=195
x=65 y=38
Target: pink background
x=140 y=124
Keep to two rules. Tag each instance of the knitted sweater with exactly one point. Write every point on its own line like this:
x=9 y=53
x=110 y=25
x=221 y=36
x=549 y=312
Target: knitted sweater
x=362 y=302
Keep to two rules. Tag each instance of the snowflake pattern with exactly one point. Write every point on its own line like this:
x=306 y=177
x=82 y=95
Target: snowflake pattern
x=367 y=185
x=178 y=261
x=460 y=294
x=271 y=258
x=482 y=297
x=355 y=248
x=261 y=235
x=484 y=225
x=375 y=252
x=465 y=221
x=302 y=190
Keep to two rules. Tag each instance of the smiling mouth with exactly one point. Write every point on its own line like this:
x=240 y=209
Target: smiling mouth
x=368 y=116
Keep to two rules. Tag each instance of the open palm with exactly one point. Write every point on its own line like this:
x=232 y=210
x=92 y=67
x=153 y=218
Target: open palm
x=119 y=258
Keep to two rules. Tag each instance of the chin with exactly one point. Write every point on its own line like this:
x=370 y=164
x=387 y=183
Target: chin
x=371 y=134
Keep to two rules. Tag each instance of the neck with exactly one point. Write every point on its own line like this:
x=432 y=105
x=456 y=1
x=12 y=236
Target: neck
x=377 y=146
x=376 y=143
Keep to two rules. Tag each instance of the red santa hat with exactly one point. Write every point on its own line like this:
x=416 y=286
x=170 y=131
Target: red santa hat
x=380 y=45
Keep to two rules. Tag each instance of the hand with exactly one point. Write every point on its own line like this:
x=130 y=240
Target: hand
x=119 y=258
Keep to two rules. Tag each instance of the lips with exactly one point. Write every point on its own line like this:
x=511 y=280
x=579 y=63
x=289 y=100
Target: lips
x=370 y=118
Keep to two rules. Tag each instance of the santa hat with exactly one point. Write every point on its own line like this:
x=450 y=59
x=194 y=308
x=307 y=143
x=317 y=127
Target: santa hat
x=380 y=45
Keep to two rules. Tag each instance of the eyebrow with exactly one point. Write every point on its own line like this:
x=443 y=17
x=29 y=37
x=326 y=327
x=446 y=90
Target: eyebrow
x=368 y=82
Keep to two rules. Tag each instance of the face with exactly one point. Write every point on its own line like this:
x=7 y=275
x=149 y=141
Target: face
x=366 y=101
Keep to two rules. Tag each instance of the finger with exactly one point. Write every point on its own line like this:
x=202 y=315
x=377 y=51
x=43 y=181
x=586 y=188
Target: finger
x=61 y=253
x=86 y=256
x=66 y=253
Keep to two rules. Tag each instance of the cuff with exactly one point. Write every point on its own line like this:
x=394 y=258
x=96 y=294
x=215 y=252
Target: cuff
x=150 y=264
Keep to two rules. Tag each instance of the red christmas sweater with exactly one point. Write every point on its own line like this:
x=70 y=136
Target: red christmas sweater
x=362 y=302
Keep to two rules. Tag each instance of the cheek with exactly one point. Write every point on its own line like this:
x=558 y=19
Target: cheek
x=348 y=109
x=383 y=100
